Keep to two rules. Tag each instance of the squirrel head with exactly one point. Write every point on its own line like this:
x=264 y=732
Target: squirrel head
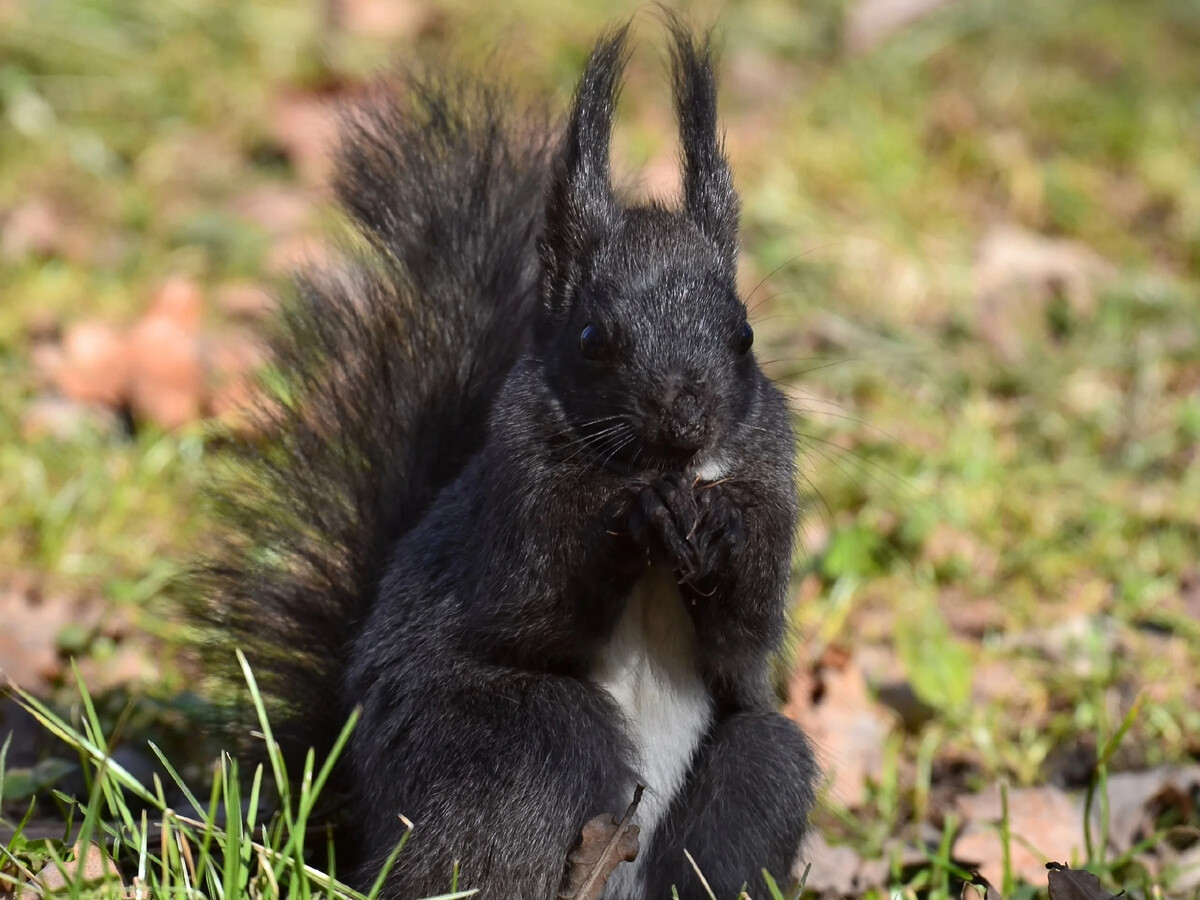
x=642 y=333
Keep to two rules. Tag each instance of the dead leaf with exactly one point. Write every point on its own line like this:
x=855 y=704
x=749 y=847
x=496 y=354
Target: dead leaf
x=245 y=300
x=1078 y=642
x=1042 y=818
x=90 y=866
x=1187 y=869
x=305 y=126
x=279 y=210
x=1137 y=801
x=1018 y=273
x=1189 y=593
x=32 y=620
x=300 y=251
x=132 y=665
x=389 y=19
x=946 y=545
x=838 y=870
x=10 y=10
x=181 y=301
x=831 y=702
x=1074 y=884
x=231 y=361
x=604 y=844
x=93 y=366
x=65 y=420
x=167 y=381
x=871 y=22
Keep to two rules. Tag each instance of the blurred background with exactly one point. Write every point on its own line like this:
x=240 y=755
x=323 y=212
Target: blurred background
x=972 y=251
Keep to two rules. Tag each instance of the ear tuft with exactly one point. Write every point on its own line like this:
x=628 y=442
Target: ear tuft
x=580 y=204
x=708 y=194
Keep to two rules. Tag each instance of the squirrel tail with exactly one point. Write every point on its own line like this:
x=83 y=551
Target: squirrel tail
x=382 y=369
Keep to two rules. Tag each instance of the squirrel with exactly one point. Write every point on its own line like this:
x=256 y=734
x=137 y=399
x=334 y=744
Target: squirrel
x=528 y=502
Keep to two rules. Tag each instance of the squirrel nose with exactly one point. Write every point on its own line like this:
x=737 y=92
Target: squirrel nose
x=683 y=424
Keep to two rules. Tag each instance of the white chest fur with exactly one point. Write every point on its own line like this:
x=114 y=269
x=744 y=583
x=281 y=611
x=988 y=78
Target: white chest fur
x=651 y=669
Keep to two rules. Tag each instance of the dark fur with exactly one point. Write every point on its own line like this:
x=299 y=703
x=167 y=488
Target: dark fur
x=461 y=497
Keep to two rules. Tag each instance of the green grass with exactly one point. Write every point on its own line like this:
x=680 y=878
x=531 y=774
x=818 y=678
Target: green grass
x=230 y=844
x=948 y=478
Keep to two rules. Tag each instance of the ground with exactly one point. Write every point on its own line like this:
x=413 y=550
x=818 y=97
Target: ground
x=972 y=253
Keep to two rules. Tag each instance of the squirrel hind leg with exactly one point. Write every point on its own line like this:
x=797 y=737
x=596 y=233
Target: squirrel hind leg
x=745 y=809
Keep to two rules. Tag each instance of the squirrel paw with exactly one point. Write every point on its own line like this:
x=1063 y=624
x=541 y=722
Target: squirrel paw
x=663 y=520
x=718 y=536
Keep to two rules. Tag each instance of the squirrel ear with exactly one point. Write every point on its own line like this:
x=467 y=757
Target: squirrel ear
x=580 y=204
x=708 y=194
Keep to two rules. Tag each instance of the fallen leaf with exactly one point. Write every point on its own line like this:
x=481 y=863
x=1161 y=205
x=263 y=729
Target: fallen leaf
x=831 y=702
x=167 y=384
x=1187 y=871
x=65 y=420
x=305 y=126
x=871 y=22
x=90 y=866
x=946 y=545
x=279 y=210
x=604 y=844
x=29 y=653
x=1138 y=801
x=299 y=251
x=1042 y=818
x=389 y=19
x=231 y=361
x=245 y=300
x=180 y=301
x=1078 y=643
x=1074 y=884
x=32 y=229
x=838 y=870
x=94 y=365
x=1189 y=592
x=1018 y=273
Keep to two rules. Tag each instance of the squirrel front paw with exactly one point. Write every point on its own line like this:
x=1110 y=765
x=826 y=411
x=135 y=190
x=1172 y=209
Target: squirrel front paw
x=663 y=521
x=718 y=537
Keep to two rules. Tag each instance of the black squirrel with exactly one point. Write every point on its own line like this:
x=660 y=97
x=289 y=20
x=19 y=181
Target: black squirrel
x=529 y=501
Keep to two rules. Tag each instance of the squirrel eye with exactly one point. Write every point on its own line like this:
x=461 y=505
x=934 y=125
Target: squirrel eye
x=591 y=342
x=745 y=339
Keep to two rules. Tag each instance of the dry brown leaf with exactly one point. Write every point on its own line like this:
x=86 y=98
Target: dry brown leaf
x=388 y=18
x=89 y=866
x=28 y=648
x=838 y=871
x=231 y=362
x=279 y=210
x=305 y=126
x=168 y=379
x=1187 y=868
x=298 y=251
x=1189 y=593
x=871 y=22
x=604 y=844
x=132 y=665
x=65 y=420
x=1018 y=272
x=41 y=227
x=1074 y=884
x=1138 y=800
x=245 y=300
x=831 y=702
x=1042 y=818
x=93 y=366
x=946 y=544
x=1075 y=642
x=179 y=300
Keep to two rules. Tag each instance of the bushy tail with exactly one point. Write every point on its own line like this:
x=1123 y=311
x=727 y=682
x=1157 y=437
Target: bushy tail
x=383 y=368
